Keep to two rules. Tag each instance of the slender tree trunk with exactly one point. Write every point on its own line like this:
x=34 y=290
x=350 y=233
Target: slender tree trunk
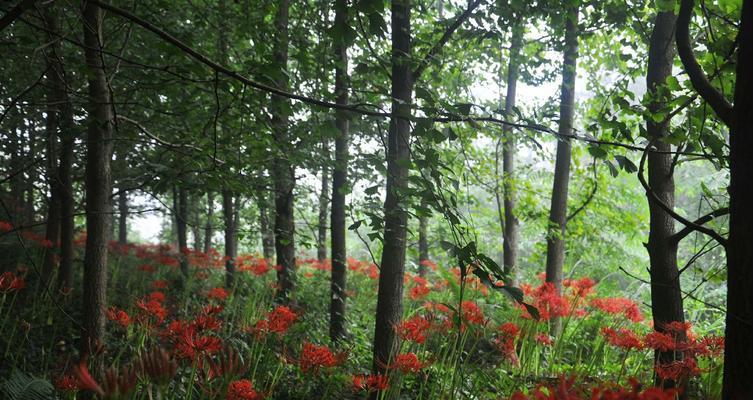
x=267 y=231
x=208 y=228
x=198 y=242
x=98 y=184
x=283 y=173
x=228 y=214
x=55 y=98
x=67 y=201
x=29 y=209
x=738 y=353
x=122 y=217
x=321 y=241
x=339 y=187
x=423 y=244
x=182 y=219
x=555 y=251
x=666 y=295
x=390 y=295
x=510 y=235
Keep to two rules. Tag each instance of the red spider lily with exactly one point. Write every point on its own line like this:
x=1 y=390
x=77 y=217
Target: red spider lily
x=419 y=292
x=191 y=345
x=472 y=313
x=660 y=341
x=157 y=296
x=409 y=363
x=120 y=384
x=549 y=303
x=710 y=346
x=218 y=293
x=543 y=339
x=314 y=358
x=624 y=338
x=5 y=226
x=430 y=264
x=201 y=275
x=581 y=287
x=206 y=323
x=508 y=333
x=151 y=309
x=619 y=305
x=413 y=329
x=242 y=389
x=66 y=383
x=370 y=382
x=211 y=309
x=10 y=282
x=119 y=316
x=281 y=319
x=160 y=284
x=227 y=364
x=86 y=382
x=677 y=370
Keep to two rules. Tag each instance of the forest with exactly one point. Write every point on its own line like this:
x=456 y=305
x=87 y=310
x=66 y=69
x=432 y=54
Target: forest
x=376 y=199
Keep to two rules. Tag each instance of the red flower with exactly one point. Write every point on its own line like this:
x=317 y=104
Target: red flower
x=314 y=358
x=581 y=287
x=242 y=390
x=619 y=305
x=151 y=308
x=677 y=370
x=624 y=338
x=369 y=382
x=419 y=291
x=508 y=332
x=146 y=268
x=408 y=363
x=10 y=282
x=119 y=316
x=544 y=339
x=5 y=226
x=157 y=296
x=281 y=319
x=190 y=344
x=67 y=383
x=86 y=382
x=472 y=313
x=218 y=293
x=413 y=329
x=660 y=341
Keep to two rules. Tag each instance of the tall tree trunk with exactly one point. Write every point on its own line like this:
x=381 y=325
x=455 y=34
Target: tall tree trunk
x=122 y=217
x=510 y=234
x=29 y=209
x=738 y=353
x=55 y=98
x=666 y=295
x=390 y=295
x=182 y=219
x=267 y=231
x=98 y=184
x=321 y=240
x=228 y=214
x=423 y=243
x=339 y=187
x=209 y=227
x=198 y=242
x=555 y=251
x=283 y=173
x=67 y=201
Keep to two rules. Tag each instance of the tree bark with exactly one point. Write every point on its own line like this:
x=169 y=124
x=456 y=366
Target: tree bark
x=98 y=184
x=321 y=241
x=55 y=98
x=510 y=233
x=198 y=242
x=182 y=220
x=338 y=281
x=122 y=217
x=267 y=231
x=666 y=294
x=555 y=251
x=390 y=295
x=283 y=172
x=738 y=353
x=208 y=228
x=228 y=214
x=423 y=244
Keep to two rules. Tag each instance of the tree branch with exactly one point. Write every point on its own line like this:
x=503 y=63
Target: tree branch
x=653 y=197
x=444 y=39
x=15 y=12
x=700 y=221
x=698 y=78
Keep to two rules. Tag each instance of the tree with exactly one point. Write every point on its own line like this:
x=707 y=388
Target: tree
x=555 y=240
x=283 y=173
x=339 y=185
x=666 y=294
x=97 y=183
